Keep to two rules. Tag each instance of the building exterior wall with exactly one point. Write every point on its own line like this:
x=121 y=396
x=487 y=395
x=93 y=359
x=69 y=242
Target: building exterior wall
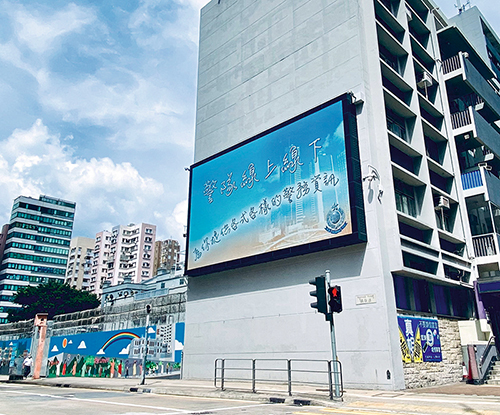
x=260 y=64
x=81 y=254
x=99 y=271
x=125 y=252
x=37 y=244
x=449 y=370
x=166 y=255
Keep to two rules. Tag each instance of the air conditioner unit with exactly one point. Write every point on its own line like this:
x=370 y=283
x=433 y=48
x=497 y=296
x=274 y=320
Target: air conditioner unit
x=425 y=80
x=486 y=166
x=442 y=203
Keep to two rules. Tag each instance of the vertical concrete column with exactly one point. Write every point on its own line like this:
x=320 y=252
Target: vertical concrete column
x=41 y=323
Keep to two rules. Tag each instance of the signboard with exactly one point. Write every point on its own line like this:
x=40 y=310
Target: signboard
x=291 y=190
x=419 y=339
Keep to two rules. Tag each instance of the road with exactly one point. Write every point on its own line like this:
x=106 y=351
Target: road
x=17 y=399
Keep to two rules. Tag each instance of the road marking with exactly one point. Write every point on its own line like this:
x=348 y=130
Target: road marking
x=176 y=410
x=435 y=400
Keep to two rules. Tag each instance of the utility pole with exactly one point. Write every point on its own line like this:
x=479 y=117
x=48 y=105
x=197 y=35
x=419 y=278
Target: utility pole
x=144 y=361
x=336 y=378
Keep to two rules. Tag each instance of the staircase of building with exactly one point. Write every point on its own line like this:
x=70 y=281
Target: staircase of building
x=493 y=377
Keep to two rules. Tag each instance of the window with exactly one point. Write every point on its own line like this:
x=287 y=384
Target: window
x=426 y=297
x=405 y=198
x=396 y=125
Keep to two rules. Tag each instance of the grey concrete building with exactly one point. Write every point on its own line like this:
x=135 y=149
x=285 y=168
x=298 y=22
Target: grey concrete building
x=268 y=70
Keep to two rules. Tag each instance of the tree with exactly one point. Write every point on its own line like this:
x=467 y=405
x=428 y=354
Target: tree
x=53 y=298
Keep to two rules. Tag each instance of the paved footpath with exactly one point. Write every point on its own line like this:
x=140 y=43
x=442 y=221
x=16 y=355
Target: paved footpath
x=205 y=388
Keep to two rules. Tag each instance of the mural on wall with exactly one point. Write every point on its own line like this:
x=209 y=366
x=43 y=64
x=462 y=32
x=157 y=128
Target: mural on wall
x=117 y=353
x=419 y=339
x=12 y=353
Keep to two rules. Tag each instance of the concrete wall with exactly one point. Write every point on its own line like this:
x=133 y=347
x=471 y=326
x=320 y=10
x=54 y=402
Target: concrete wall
x=449 y=370
x=166 y=309
x=261 y=63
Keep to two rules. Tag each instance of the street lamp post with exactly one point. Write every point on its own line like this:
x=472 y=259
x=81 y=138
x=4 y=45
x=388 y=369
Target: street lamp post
x=143 y=380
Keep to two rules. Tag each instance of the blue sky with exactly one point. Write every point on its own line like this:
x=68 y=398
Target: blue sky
x=98 y=106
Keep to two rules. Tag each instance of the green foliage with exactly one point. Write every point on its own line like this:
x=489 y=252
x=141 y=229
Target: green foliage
x=53 y=298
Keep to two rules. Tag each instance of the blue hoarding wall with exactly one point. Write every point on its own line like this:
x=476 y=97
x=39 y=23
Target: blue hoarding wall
x=12 y=353
x=116 y=353
x=419 y=339
x=286 y=188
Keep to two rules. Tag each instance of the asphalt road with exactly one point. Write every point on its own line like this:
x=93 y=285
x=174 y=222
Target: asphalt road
x=23 y=399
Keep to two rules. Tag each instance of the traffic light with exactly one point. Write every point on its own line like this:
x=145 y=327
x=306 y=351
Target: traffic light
x=335 y=299
x=148 y=308
x=320 y=294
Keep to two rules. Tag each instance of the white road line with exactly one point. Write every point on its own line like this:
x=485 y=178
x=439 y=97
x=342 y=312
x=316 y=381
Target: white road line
x=431 y=400
x=177 y=410
x=180 y=411
x=197 y=411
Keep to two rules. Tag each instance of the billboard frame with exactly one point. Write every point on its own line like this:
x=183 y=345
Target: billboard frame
x=353 y=167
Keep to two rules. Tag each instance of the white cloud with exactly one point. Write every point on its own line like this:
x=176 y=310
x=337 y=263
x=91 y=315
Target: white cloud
x=35 y=162
x=125 y=350
x=54 y=349
x=178 y=345
x=39 y=30
x=82 y=345
x=101 y=352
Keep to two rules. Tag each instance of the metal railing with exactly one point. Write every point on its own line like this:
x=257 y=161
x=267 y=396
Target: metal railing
x=484 y=245
x=461 y=119
x=472 y=179
x=451 y=64
x=487 y=359
x=280 y=371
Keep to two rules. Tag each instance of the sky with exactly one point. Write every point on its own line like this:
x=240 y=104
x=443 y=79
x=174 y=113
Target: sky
x=98 y=107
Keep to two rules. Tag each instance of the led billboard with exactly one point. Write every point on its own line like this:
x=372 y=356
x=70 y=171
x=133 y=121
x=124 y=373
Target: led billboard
x=290 y=190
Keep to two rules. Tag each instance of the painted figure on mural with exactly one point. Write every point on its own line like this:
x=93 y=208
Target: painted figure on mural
x=53 y=365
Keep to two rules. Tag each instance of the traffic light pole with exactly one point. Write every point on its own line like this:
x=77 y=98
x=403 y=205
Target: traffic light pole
x=336 y=377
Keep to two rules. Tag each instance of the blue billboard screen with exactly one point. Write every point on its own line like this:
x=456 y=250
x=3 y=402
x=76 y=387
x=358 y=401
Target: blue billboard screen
x=285 y=188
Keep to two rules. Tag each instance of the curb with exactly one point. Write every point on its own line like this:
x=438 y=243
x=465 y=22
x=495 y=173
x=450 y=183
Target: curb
x=273 y=398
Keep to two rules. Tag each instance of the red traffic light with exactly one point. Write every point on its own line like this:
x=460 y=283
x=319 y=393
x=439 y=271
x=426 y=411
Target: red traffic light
x=335 y=299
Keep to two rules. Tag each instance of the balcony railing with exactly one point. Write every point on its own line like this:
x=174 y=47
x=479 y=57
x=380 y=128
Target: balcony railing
x=461 y=119
x=472 y=180
x=451 y=64
x=484 y=245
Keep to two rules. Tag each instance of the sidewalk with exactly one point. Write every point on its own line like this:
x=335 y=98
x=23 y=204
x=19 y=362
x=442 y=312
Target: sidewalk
x=206 y=388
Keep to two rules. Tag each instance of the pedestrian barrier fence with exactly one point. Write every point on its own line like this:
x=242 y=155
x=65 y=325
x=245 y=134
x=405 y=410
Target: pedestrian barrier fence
x=287 y=372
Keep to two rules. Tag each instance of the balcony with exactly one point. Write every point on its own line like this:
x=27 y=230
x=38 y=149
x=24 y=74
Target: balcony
x=482 y=181
x=461 y=74
x=486 y=246
x=483 y=133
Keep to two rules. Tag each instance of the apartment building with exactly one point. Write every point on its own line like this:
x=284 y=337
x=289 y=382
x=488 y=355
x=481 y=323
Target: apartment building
x=166 y=255
x=331 y=140
x=125 y=251
x=471 y=70
x=80 y=259
x=36 y=246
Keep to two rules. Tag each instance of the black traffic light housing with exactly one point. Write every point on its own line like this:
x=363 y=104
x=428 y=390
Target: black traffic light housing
x=335 y=299
x=320 y=294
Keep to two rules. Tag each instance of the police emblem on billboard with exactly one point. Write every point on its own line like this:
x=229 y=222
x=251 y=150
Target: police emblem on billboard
x=335 y=219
